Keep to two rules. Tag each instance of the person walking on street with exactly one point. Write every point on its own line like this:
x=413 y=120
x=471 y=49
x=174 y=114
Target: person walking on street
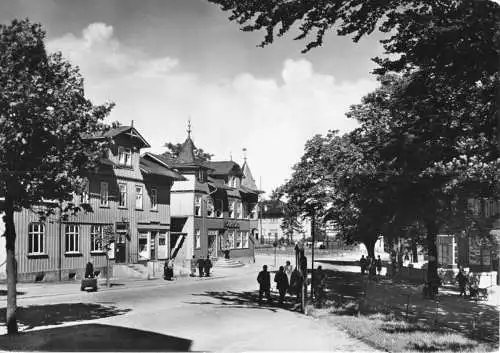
x=201 y=266
x=288 y=270
x=362 y=264
x=168 y=270
x=281 y=280
x=378 y=264
x=462 y=282
x=208 y=266
x=296 y=281
x=264 y=280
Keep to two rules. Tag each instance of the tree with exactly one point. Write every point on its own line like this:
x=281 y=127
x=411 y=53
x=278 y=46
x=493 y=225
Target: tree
x=45 y=120
x=175 y=149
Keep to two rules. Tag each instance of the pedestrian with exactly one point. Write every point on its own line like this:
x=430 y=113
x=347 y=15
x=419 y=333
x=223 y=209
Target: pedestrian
x=462 y=282
x=193 y=267
x=168 y=270
x=264 y=280
x=89 y=270
x=208 y=266
x=288 y=269
x=362 y=264
x=296 y=282
x=282 y=285
x=201 y=266
x=319 y=279
x=378 y=264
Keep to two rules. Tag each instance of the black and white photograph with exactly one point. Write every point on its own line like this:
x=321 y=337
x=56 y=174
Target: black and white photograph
x=249 y=175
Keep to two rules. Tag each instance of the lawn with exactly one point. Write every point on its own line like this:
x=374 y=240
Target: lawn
x=396 y=318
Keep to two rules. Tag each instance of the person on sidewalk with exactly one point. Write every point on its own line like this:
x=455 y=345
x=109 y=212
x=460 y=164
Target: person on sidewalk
x=462 y=282
x=378 y=264
x=168 y=270
x=296 y=282
x=201 y=266
x=319 y=281
x=362 y=264
x=288 y=270
x=264 y=280
x=208 y=265
x=282 y=285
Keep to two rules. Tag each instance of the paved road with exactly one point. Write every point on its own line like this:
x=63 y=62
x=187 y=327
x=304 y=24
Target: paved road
x=215 y=314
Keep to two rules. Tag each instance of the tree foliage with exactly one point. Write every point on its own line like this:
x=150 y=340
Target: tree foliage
x=174 y=149
x=45 y=122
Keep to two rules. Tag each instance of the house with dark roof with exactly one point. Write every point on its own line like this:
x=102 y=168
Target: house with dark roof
x=130 y=198
x=214 y=209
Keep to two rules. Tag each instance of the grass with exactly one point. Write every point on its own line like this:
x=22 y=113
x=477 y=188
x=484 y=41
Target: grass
x=386 y=332
x=377 y=314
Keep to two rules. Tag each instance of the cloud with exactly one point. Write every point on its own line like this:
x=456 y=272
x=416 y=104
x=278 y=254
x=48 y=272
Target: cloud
x=270 y=117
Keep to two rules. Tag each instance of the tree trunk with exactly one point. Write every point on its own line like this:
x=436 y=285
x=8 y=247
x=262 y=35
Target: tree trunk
x=10 y=246
x=432 y=230
x=370 y=247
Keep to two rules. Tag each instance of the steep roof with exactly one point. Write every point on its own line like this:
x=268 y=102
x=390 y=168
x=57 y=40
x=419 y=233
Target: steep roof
x=248 y=180
x=224 y=168
x=186 y=154
x=149 y=166
x=113 y=132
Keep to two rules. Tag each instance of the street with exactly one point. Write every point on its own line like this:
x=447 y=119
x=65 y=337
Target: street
x=214 y=314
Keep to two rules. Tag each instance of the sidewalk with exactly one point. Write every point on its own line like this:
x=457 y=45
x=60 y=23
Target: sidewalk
x=36 y=290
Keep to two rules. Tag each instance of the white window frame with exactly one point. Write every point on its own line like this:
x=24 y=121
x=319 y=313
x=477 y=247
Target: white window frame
x=122 y=190
x=197 y=205
x=210 y=208
x=125 y=156
x=36 y=236
x=232 y=206
x=96 y=238
x=230 y=238
x=244 y=239
x=197 y=238
x=72 y=231
x=154 y=199
x=238 y=237
x=104 y=194
x=139 y=197
x=239 y=210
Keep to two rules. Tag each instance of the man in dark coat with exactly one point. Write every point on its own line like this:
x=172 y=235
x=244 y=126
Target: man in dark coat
x=264 y=280
x=281 y=280
x=462 y=282
x=363 y=263
x=208 y=266
x=201 y=266
x=296 y=281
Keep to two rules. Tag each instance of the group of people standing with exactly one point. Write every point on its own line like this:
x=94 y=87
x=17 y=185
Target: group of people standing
x=371 y=265
x=204 y=266
x=289 y=280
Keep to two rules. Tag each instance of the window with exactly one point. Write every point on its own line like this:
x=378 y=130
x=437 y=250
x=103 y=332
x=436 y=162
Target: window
x=197 y=205
x=125 y=156
x=122 y=202
x=210 y=208
x=36 y=234
x=230 y=239
x=238 y=210
x=104 y=194
x=237 y=239
x=197 y=239
x=219 y=208
x=244 y=240
x=201 y=175
x=85 y=196
x=252 y=211
x=138 y=197
x=96 y=238
x=72 y=237
x=154 y=200
x=232 y=205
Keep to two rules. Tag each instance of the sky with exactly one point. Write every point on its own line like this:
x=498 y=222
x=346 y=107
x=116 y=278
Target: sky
x=163 y=62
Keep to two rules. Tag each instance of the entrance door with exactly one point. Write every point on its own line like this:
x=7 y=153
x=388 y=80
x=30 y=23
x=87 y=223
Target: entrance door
x=120 y=252
x=152 y=245
x=212 y=243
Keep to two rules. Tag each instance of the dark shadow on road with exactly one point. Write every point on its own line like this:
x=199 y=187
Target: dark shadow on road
x=56 y=314
x=3 y=292
x=244 y=300
x=93 y=338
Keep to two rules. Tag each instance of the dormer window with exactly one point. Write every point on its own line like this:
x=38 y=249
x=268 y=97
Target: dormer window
x=201 y=175
x=125 y=156
x=234 y=182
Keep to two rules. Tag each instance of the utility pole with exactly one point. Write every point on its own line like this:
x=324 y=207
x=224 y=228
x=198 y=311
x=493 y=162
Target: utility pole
x=59 y=257
x=313 y=224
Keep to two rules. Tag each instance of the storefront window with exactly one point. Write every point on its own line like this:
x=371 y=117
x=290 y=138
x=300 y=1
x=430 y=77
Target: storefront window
x=143 y=247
